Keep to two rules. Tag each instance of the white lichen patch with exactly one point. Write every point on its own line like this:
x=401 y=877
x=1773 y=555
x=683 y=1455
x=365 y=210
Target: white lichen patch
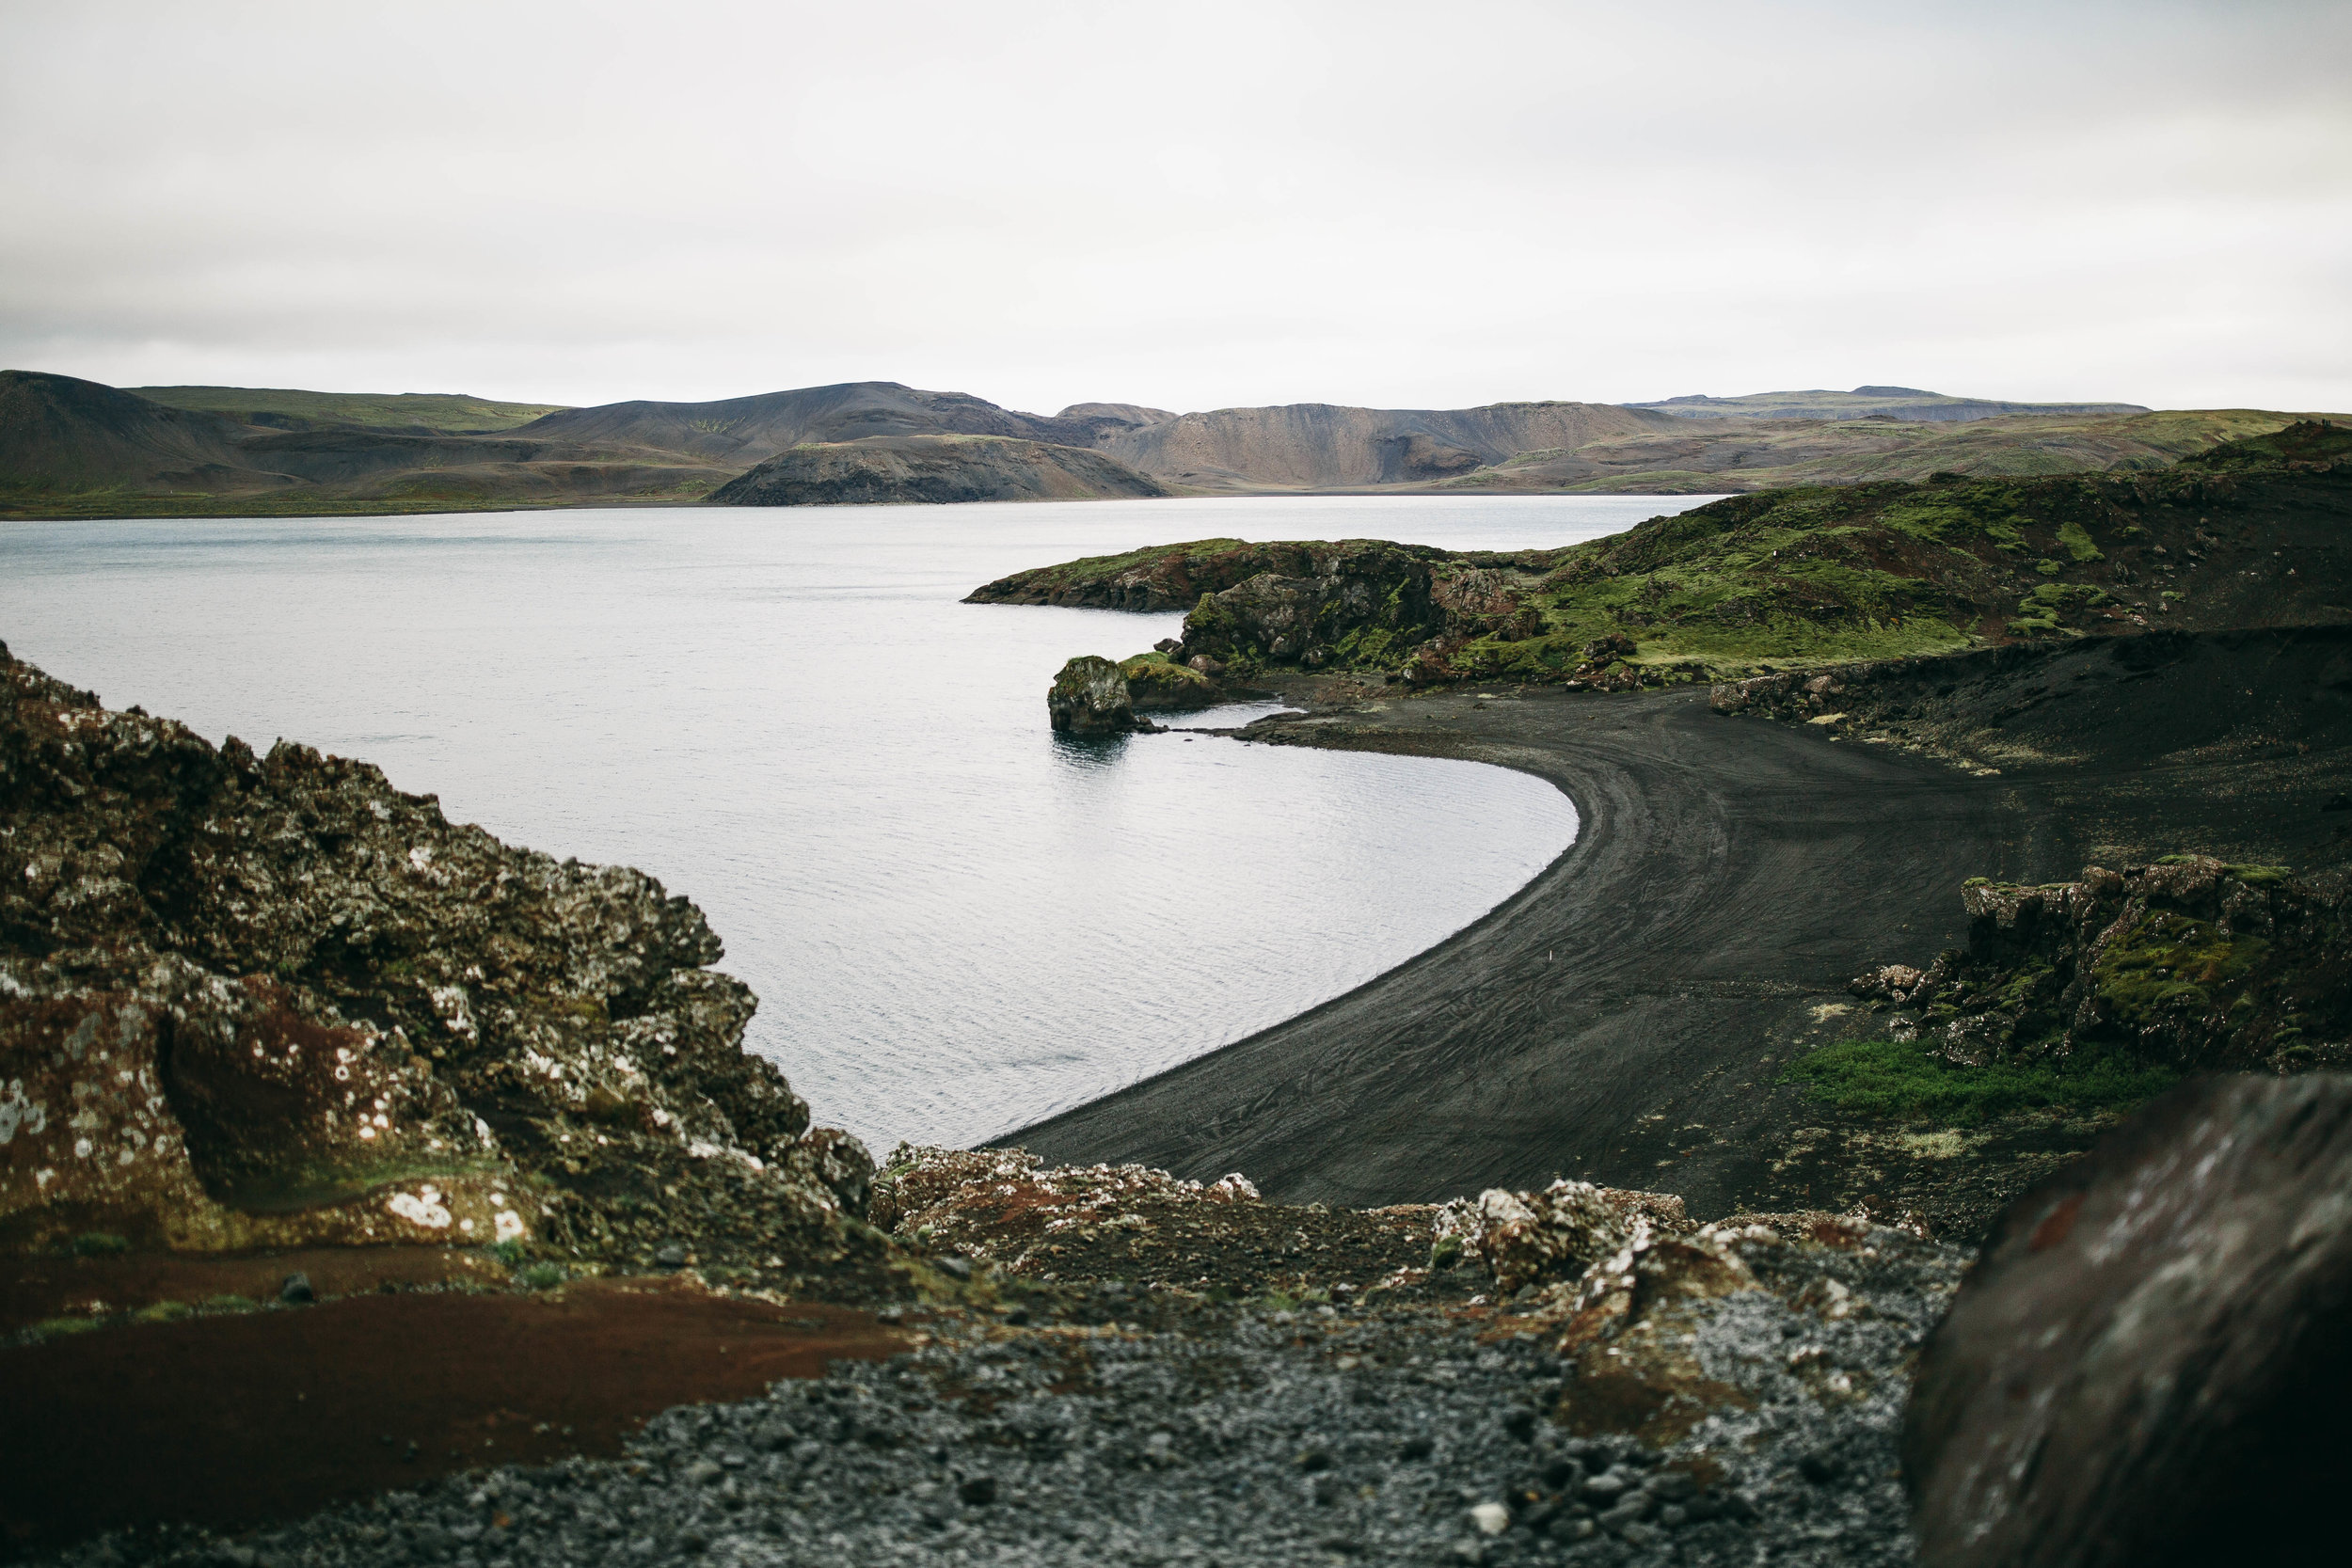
x=19 y=1110
x=423 y=1208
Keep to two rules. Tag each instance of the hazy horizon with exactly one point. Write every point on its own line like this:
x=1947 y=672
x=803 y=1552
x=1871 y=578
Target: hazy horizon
x=1225 y=206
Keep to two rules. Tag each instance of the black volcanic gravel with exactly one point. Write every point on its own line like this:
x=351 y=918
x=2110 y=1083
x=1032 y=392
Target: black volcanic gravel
x=1224 y=1437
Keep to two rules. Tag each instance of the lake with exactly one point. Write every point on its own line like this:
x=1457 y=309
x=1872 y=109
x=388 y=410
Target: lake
x=956 y=921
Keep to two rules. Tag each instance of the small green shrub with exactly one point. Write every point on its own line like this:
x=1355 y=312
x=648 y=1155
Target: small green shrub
x=510 y=1253
x=543 y=1276
x=98 y=1244
x=1897 y=1081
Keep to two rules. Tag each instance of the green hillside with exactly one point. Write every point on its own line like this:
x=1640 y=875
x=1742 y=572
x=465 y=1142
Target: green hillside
x=407 y=413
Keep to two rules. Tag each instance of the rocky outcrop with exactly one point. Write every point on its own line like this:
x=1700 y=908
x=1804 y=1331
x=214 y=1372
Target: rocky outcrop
x=1693 y=1393
x=1157 y=683
x=260 y=1001
x=2149 y=1363
x=936 y=470
x=1089 y=697
x=1174 y=576
x=1360 y=605
x=2190 y=964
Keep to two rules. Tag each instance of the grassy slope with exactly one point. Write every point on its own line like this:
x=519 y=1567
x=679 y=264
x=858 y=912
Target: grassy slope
x=423 y=491
x=438 y=413
x=1773 y=454
x=1808 y=577
x=1789 y=579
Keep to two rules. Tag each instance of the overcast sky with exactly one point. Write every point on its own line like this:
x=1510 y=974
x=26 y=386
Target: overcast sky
x=1190 y=205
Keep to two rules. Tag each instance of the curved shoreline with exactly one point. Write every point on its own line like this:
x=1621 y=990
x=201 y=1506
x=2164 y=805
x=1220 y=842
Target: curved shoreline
x=1546 y=1038
x=1626 y=1016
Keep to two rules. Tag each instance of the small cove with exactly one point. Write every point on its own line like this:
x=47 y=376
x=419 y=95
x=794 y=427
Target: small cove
x=956 y=921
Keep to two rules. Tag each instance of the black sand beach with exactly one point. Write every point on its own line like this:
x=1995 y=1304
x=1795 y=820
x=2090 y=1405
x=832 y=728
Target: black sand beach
x=1626 y=1017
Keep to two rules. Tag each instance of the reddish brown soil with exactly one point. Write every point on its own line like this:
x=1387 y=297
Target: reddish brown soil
x=35 y=1288
x=236 y=1419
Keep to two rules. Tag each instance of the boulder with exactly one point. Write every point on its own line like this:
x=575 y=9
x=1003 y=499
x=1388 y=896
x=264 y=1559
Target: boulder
x=1089 y=697
x=1559 y=1232
x=2151 y=1361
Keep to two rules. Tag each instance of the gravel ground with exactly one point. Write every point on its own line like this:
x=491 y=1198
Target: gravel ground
x=1420 y=1432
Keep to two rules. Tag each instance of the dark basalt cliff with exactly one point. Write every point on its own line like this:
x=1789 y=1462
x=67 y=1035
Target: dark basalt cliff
x=883 y=469
x=265 y=1001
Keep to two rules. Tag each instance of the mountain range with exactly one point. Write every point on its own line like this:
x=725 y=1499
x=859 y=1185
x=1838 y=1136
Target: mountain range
x=71 y=447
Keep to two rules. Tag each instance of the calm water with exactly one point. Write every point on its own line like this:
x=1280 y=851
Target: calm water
x=956 y=923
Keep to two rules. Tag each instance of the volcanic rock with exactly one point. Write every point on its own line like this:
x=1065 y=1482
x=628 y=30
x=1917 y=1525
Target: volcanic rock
x=2192 y=962
x=1089 y=697
x=2151 y=1362
x=251 y=1001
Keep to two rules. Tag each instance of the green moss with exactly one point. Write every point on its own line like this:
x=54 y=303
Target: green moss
x=2168 y=964
x=2079 y=542
x=50 y=1329
x=1157 y=672
x=543 y=1276
x=1893 y=1081
x=2048 y=568
x=98 y=1244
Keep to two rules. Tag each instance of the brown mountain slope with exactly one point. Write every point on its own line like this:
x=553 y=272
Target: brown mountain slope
x=882 y=470
x=743 y=431
x=74 y=448
x=1323 y=444
x=61 y=433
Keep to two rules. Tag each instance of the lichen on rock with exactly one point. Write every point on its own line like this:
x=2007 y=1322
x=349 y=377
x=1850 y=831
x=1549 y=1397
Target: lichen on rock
x=255 y=1001
x=2189 y=962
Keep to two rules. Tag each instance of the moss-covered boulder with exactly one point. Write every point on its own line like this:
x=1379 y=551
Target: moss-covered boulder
x=1090 y=697
x=1157 y=683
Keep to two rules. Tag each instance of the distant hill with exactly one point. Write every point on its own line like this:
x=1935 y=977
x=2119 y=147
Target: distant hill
x=884 y=469
x=1320 y=444
x=61 y=433
x=393 y=413
x=1899 y=403
x=75 y=448
x=744 y=431
x=1694 y=457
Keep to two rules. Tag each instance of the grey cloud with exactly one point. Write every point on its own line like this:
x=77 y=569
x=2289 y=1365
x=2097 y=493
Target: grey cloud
x=1184 y=206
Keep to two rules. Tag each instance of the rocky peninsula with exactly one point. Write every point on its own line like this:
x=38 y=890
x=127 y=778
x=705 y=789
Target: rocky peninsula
x=1639 y=1014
